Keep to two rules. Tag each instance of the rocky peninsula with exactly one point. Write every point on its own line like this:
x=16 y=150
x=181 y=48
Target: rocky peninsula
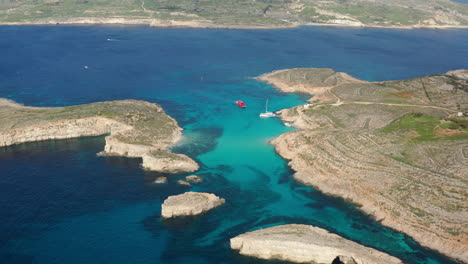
x=306 y=244
x=136 y=129
x=189 y=203
x=397 y=149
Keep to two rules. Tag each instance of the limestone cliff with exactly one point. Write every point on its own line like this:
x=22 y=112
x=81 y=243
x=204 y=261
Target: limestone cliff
x=305 y=244
x=136 y=129
x=190 y=203
x=398 y=149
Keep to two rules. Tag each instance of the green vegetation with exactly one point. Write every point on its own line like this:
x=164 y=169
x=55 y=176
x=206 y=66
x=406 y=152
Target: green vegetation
x=265 y=13
x=423 y=124
x=382 y=13
x=425 y=127
x=400 y=147
x=151 y=125
x=456 y=123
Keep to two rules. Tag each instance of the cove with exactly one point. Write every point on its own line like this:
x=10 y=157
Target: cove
x=60 y=203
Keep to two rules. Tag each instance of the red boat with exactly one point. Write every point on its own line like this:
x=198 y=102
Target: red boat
x=241 y=104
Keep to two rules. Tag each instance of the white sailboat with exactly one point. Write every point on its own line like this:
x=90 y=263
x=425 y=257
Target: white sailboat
x=267 y=114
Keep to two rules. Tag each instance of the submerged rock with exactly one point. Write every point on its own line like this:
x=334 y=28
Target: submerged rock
x=160 y=180
x=306 y=244
x=190 y=203
x=182 y=182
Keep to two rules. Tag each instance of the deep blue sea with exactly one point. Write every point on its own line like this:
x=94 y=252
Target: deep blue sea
x=60 y=203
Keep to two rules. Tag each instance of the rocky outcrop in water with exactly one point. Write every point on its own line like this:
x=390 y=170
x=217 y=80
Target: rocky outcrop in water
x=194 y=178
x=306 y=244
x=160 y=180
x=190 y=203
x=137 y=129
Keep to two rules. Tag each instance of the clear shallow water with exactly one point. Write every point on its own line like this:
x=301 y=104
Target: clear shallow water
x=60 y=203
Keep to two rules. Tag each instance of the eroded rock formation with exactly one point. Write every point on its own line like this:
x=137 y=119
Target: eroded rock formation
x=136 y=129
x=306 y=244
x=190 y=203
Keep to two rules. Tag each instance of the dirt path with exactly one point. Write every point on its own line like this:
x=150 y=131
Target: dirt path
x=143 y=6
x=389 y=104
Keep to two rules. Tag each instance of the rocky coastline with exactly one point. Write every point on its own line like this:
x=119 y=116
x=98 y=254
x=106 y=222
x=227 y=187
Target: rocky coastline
x=130 y=135
x=349 y=146
x=306 y=244
x=158 y=23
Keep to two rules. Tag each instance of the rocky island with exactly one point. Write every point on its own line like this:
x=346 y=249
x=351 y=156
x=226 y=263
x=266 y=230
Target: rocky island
x=397 y=149
x=239 y=13
x=306 y=244
x=190 y=203
x=136 y=129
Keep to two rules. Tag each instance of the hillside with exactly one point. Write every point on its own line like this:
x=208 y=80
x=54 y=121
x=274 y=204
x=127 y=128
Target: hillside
x=238 y=13
x=397 y=149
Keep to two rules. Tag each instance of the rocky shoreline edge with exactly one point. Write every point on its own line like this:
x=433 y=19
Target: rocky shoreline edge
x=306 y=244
x=189 y=203
x=130 y=124
x=347 y=147
x=157 y=23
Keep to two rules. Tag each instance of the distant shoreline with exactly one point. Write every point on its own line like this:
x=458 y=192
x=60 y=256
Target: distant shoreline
x=203 y=24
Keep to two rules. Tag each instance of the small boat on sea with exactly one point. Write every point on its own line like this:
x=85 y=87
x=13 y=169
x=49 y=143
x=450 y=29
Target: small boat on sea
x=240 y=104
x=267 y=114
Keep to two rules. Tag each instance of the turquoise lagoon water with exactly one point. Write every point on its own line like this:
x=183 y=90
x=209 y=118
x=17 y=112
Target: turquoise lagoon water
x=59 y=203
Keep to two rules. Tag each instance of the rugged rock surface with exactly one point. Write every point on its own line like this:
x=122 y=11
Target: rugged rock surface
x=194 y=178
x=190 y=203
x=317 y=81
x=398 y=149
x=185 y=183
x=169 y=162
x=160 y=180
x=344 y=260
x=137 y=129
x=306 y=244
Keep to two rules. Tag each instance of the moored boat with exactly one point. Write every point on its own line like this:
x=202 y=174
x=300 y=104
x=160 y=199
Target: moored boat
x=240 y=104
x=267 y=114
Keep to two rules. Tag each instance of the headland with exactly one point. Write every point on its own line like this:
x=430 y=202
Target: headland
x=136 y=129
x=306 y=244
x=397 y=149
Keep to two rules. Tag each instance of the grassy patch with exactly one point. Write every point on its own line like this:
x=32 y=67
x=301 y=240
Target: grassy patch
x=381 y=13
x=423 y=124
x=455 y=123
x=424 y=127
